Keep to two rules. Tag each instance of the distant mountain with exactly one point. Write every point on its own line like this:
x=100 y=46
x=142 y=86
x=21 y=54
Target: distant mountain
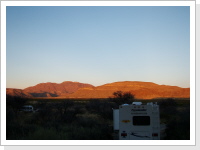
x=18 y=93
x=54 y=89
x=68 y=89
x=141 y=90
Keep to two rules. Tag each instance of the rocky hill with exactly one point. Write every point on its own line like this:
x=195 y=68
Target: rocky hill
x=54 y=89
x=68 y=89
x=141 y=90
x=18 y=93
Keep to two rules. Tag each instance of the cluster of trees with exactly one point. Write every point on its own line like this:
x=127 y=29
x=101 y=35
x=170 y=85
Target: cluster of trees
x=120 y=97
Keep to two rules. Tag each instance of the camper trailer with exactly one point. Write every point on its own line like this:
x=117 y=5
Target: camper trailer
x=137 y=121
x=27 y=108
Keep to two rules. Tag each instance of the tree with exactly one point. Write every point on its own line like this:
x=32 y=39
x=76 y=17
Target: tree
x=118 y=94
x=123 y=97
x=128 y=96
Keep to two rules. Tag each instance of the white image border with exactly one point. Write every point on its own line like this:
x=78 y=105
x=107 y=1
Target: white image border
x=97 y=3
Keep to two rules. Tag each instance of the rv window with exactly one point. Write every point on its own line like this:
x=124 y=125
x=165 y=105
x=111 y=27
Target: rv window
x=141 y=120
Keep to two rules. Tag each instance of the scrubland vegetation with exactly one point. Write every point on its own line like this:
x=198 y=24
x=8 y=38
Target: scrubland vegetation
x=92 y=119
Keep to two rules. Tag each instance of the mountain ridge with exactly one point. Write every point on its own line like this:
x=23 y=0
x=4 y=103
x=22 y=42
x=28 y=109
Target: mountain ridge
x=69 y=89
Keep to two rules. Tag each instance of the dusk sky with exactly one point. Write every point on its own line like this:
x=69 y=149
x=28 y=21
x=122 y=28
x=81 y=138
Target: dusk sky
x=97 y=45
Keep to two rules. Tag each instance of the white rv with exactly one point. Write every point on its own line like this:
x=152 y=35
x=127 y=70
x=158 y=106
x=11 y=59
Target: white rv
x=27 y=108
x=137 y=121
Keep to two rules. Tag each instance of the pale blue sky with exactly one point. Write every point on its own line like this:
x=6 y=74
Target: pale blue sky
x=97 y=45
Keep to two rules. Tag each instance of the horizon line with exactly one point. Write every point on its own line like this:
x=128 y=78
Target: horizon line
x=94 y=85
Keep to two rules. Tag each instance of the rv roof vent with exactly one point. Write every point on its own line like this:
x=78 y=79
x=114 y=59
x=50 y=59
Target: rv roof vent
x=137 y=103
x=125 y=104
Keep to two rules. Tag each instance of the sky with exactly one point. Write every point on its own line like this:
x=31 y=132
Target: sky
x=97 y=44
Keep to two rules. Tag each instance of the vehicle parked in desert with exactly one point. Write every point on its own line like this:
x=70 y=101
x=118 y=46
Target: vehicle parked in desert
x=137 y=121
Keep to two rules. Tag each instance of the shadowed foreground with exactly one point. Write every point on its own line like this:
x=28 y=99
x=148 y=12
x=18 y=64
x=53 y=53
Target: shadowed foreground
x=92 y=119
